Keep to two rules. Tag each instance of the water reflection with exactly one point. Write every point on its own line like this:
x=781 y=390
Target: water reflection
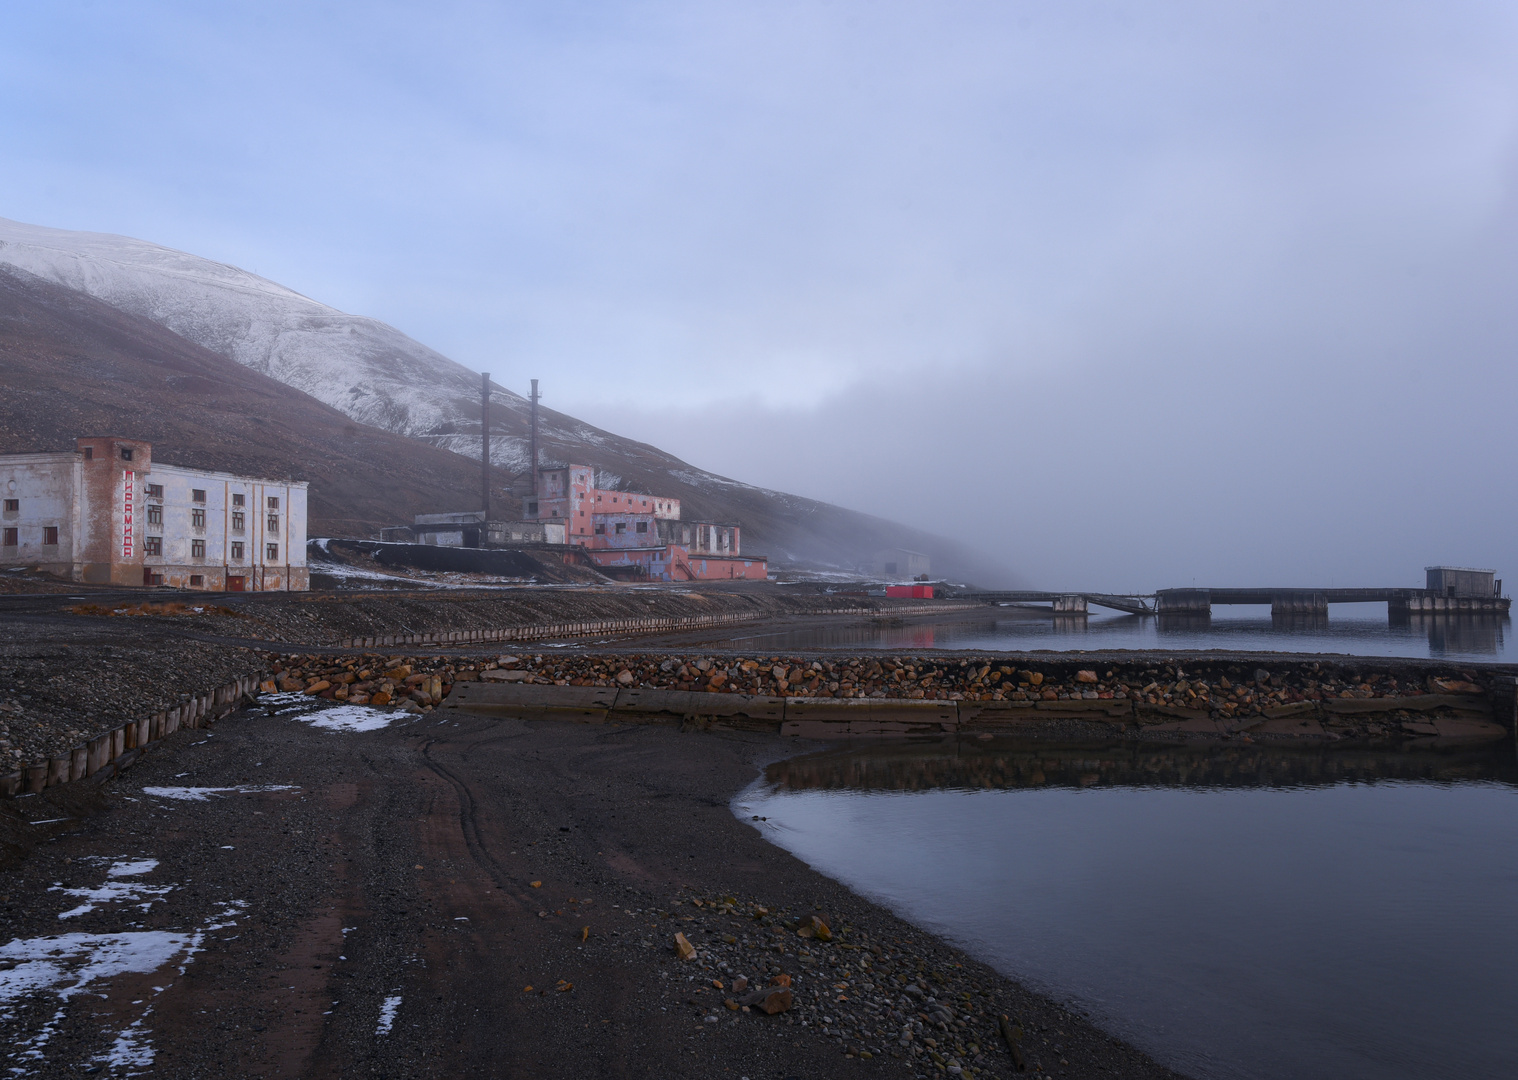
x=976 y=765
x=1249 y=911
x=1359 y=629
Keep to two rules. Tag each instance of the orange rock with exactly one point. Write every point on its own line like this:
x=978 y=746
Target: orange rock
x=380 y=698
x=684 y=948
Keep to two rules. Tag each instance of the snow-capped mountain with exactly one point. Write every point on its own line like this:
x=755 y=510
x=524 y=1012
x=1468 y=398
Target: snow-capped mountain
x=380 y=377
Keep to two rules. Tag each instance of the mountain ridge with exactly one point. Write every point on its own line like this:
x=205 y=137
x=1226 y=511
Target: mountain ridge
x=376 y=375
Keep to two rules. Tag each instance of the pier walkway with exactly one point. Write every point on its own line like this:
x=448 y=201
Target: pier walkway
x=1200 y=602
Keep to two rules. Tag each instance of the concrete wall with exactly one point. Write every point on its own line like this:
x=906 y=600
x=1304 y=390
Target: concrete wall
x=236 y=537
x=43 y=487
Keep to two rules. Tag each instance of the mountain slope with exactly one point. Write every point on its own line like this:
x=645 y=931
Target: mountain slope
x=376 y=375
x=71 y=365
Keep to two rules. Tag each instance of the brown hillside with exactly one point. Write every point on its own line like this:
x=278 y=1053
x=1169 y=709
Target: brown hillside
x=71 y=365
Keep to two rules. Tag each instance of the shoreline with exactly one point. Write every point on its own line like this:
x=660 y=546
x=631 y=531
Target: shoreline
x=622 y=828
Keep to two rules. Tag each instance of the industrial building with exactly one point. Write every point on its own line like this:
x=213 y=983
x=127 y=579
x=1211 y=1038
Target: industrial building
x=470 y=529
x=105 y=513
x=638 y=533
x=1462 y=582
x=901 y=564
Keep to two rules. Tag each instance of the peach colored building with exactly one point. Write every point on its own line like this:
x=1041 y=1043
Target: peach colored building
x=638 y=533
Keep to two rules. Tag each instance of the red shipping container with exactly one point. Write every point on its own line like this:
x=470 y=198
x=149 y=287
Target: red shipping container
x=910 y=592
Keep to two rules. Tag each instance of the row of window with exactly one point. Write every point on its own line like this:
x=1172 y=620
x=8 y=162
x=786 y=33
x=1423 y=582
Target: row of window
x=198 y=519
x=621 y=528
x=155 y=491
x=12 y=537
x=153 y=545
x=197 y=516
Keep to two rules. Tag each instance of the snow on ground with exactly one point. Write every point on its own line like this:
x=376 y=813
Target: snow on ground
x=321 y=713
x=387 y=1014
x=116 y=891
x=202 y=794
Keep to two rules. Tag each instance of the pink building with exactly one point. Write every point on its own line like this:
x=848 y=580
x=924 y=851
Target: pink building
x=640 y=534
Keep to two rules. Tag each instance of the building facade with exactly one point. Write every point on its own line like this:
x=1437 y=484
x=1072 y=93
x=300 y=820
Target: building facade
x=640 y=534
x=1462 y=581
x=104 y=513
x=470 y=529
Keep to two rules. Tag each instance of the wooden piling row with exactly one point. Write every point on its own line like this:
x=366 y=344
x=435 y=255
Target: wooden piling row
x=640 y=624
x=108 y=753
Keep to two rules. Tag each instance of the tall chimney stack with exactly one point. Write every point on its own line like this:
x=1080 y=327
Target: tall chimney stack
x=485 y=447
x=533 y=446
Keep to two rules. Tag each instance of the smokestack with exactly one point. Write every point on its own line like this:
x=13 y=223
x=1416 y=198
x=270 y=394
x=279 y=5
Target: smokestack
x=485 y=444
x=533 y=446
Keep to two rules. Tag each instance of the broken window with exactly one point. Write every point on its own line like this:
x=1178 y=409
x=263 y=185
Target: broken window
x=155 y=491
x=237 y=549
x=11 y=537
x=621 y=525
x=238 y=521
x=197 y=581
x=197 y=518
x=126 y=453
x=600 y=530
x=12 y=505
x=197 y=495
x=50 y=534
x=152 y=545
x=197 y=549
x=643 y=526
x=155 y=514
x=532 y=508
x=271 y=552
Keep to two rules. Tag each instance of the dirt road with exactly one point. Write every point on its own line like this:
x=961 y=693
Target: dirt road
x=377 y=903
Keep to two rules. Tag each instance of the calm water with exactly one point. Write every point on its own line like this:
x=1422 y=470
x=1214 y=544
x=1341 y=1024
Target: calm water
x=1239 y=913
x=1361 y=629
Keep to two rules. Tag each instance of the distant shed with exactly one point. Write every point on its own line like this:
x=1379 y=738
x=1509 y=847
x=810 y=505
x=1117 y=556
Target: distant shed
x=901 y=564
x=1462 y=581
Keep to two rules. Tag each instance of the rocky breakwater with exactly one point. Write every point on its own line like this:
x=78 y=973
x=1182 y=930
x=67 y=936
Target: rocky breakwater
x=909 y=998
x=1320 y=699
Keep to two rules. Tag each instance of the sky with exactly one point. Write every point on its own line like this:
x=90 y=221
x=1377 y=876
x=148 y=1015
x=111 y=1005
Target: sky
x=1126 y=296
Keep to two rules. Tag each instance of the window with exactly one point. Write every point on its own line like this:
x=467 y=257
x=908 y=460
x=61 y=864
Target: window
x=621 y=527
x=197 y=549
x=197 y=518
x=274 y=523
x=50 y=535
x=155 y=491
x=89 y=453
x=273 y=502
x=11 y=538
x=155 y=514
x=12 y=505
x=600 y=530
x=271 y=552
x=532 y=508
x=197 y=581
x=237 y=499
x=197 y=495
x=237 y=521
x=237 y=549
x=152 y=545
x=126 y=453
x=643 y=526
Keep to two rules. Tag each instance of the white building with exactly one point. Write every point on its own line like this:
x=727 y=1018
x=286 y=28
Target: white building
x=105 y=513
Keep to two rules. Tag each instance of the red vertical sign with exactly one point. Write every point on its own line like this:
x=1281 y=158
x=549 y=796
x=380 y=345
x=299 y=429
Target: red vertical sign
x=126 y=516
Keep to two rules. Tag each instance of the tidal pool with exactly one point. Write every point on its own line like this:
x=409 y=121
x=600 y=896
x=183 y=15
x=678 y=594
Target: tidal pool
x=1242 y=911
